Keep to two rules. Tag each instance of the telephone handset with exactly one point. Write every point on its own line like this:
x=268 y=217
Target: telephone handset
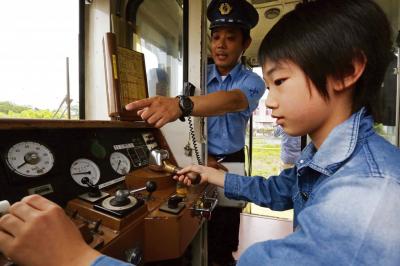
x=188 y=90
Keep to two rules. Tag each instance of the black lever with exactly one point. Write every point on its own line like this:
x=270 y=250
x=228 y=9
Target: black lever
x=94 y=190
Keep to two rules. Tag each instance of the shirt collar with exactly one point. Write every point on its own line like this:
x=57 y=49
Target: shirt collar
x=339 y=145
x=214 y=74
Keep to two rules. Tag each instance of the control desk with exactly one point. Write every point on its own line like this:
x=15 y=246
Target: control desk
x=101 y=173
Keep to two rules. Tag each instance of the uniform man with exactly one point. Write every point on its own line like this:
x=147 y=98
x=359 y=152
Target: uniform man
x=233 y=92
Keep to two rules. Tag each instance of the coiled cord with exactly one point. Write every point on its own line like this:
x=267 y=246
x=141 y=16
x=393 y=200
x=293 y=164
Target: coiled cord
x=192 y=135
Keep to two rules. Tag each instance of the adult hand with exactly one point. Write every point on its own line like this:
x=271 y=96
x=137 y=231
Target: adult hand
x=37 y=232
x=207 y=174
x=156 y=111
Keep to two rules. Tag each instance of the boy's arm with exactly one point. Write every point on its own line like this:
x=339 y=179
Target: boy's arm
x=207 y=174
x=348 y=221
x=274 y=192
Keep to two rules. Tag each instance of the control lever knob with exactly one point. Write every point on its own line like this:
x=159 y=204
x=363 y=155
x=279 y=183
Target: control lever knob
x=121 y=198
x=94 y=191
x=151 y=186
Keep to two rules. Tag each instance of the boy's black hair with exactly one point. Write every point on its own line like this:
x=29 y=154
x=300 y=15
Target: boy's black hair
x=323 y=37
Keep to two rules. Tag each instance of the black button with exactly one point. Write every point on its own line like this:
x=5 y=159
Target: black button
x=304 y=195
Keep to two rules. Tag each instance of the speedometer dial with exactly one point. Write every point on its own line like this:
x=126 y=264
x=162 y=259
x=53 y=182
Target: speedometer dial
x=120 y=163
x=30 y=159
x=85 y=170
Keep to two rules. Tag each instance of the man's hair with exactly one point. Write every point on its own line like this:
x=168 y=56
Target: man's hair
x=245 y=35
x=324 y=37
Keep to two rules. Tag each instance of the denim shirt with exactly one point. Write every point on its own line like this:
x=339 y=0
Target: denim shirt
x=108 y=261
x=226 y=133
x=346 y=200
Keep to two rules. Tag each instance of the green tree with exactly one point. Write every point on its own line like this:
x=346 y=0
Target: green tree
x=11 y=110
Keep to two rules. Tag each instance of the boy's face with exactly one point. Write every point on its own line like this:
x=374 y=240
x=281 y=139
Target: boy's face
x=295 y=101
x=226 y=47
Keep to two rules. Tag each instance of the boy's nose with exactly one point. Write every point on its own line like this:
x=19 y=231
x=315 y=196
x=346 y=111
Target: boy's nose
x=271 y=103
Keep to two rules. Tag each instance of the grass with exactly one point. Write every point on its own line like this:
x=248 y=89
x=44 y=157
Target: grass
x=266 y=162
x=266 y=158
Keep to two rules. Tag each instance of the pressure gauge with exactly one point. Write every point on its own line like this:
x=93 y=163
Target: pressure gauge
x=83 y=170
x=30 y=159
x=120 y=163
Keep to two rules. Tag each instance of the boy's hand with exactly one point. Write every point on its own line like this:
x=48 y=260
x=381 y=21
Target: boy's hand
x=157 y=111
x=208 y=174
x=37 y=232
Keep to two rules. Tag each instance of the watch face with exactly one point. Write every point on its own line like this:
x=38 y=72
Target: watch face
x=186 y=105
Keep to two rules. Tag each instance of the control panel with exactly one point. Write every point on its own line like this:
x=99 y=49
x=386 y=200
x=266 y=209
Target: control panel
x=62 y=163
x=113 y=179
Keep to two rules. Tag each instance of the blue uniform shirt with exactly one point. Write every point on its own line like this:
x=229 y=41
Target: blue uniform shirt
x=346 y=200
x=226 y=133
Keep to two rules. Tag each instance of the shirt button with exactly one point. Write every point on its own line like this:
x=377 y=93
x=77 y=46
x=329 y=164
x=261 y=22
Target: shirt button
x=304 y=195
x=301 y=161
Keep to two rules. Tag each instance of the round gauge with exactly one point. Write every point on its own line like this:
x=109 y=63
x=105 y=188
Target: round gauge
x=84 y=171
x=120 y=163
x=30 y=159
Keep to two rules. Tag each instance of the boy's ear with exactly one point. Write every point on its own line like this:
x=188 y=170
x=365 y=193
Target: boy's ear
x=354 y=73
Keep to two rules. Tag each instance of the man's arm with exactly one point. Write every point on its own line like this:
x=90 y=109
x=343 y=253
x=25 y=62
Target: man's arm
x=160 y=110
x=219 y=103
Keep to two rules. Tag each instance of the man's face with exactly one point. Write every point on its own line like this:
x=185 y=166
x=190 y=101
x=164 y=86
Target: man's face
x=226 y=47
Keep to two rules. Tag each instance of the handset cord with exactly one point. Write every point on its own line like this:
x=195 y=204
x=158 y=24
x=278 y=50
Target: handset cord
x=196 y=149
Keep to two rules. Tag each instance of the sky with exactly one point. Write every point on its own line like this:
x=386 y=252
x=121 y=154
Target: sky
x=35 y=39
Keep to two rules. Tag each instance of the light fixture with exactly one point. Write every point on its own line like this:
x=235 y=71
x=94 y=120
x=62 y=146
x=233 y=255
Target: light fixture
x=272 y=13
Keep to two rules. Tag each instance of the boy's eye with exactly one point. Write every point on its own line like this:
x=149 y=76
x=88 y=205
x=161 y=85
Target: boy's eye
x=279 y=82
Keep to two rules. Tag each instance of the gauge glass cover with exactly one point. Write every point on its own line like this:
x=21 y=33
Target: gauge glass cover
x=30 y=159
x=120 y=163
x=82 y=168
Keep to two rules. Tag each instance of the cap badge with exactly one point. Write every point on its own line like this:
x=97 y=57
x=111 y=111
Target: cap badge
x=225 y=8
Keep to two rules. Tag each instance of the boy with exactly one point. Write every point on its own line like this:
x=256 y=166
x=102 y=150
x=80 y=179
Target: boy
x=324 y=64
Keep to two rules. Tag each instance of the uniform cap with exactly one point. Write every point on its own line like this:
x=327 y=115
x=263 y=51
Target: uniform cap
x=237 y=13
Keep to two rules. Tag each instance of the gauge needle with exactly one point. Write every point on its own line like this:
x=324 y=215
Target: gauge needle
x=83 y=173
x=19 y=166
x=119 y=163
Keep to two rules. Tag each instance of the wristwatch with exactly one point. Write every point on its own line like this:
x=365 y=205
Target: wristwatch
x=186 y=106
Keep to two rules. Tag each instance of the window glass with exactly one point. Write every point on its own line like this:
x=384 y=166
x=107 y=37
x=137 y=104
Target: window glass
x=266 y=152
x=386 y=123
x=37 y=37
x=160 y=27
